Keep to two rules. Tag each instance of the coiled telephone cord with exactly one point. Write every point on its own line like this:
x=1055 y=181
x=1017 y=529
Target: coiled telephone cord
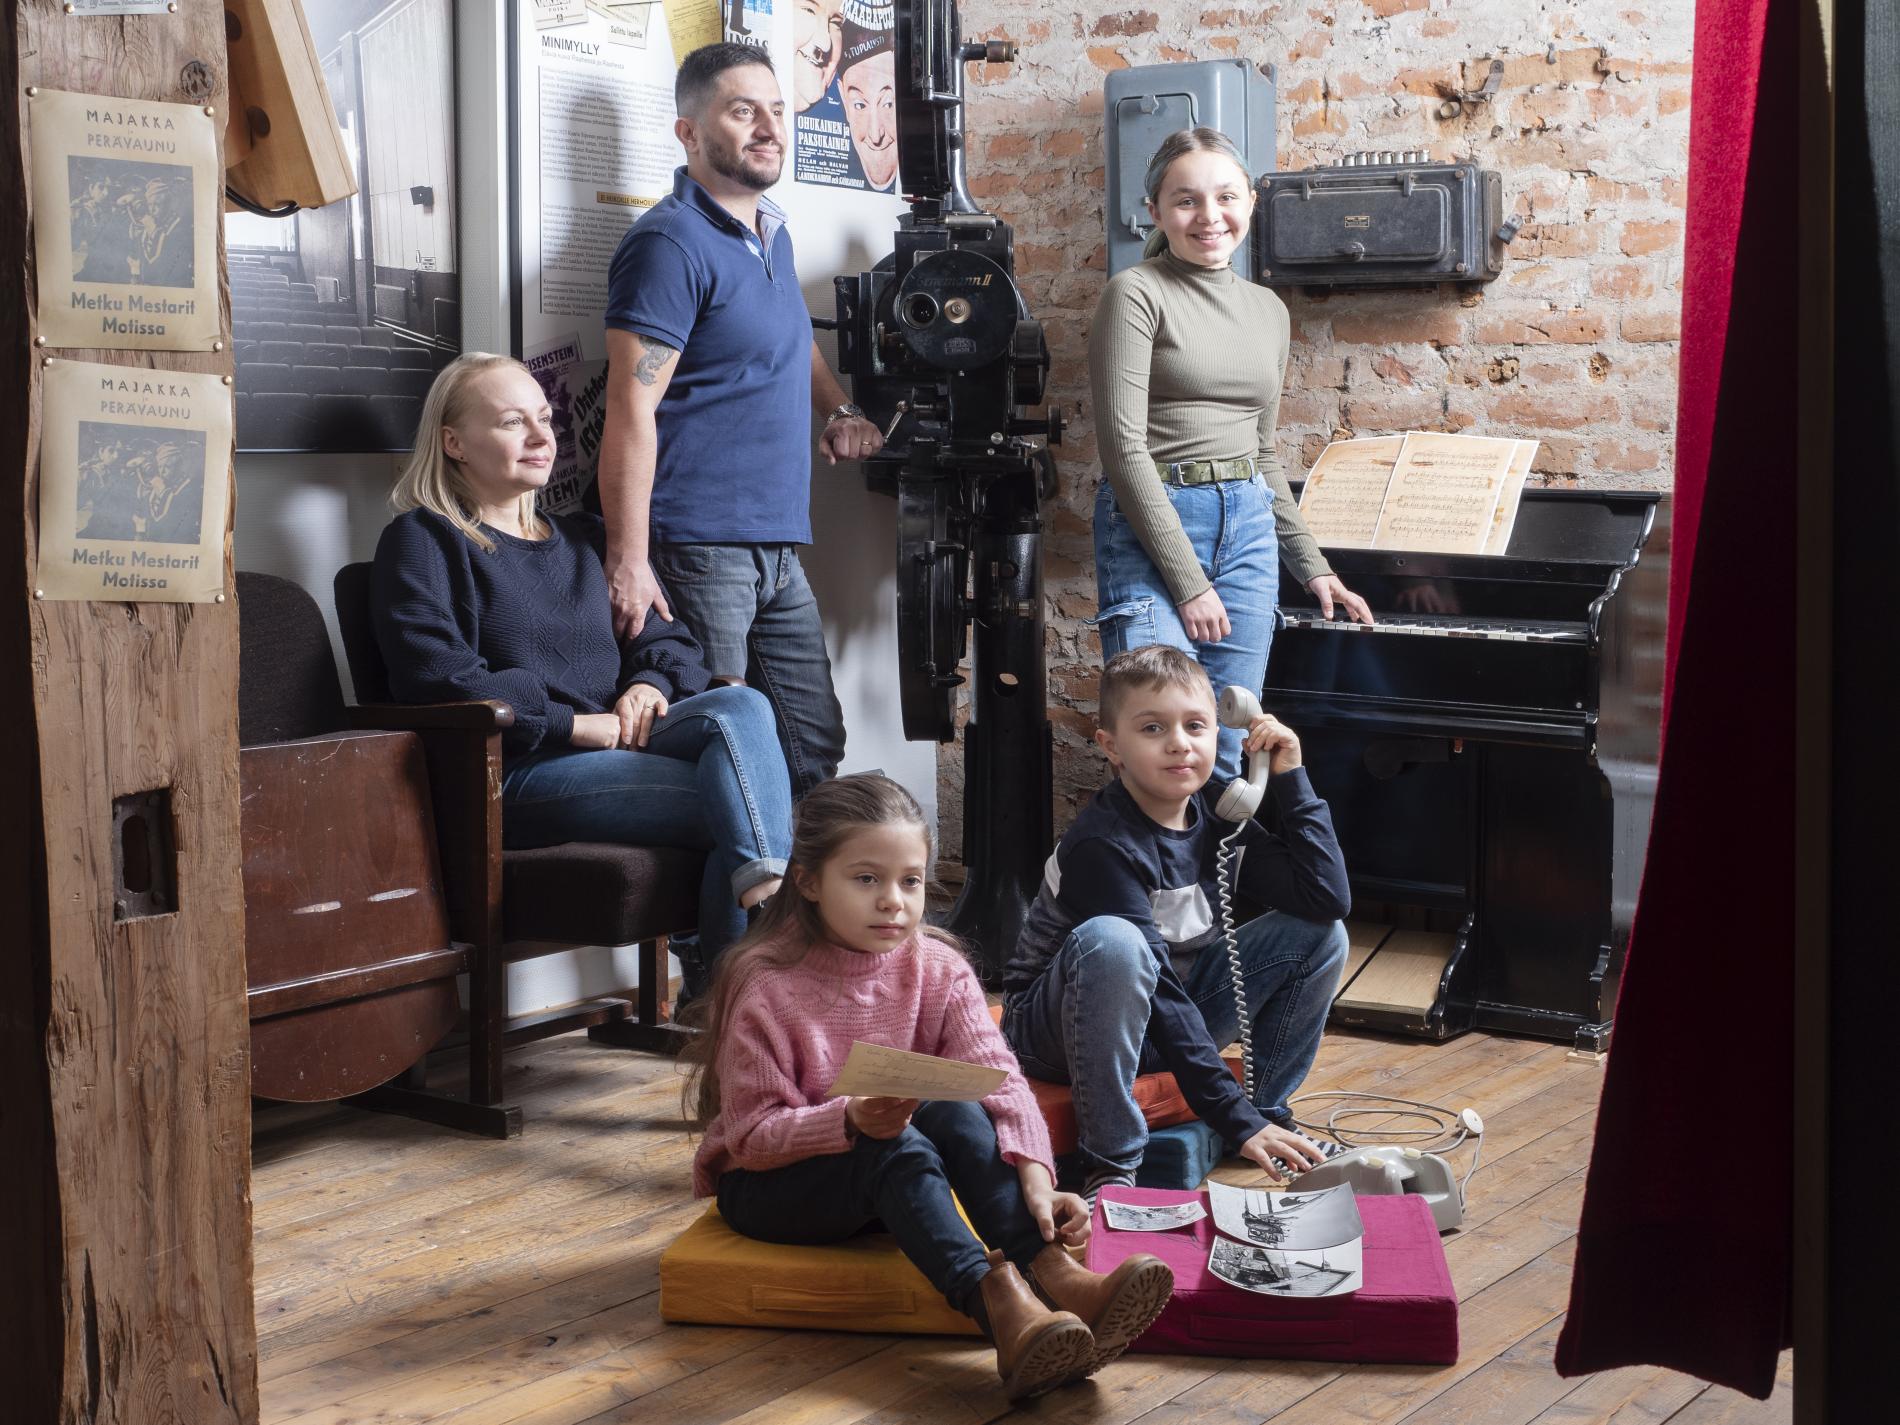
x=1223 y=883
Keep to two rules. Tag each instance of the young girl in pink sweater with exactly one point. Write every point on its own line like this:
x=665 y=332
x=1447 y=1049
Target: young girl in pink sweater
x=839 y=955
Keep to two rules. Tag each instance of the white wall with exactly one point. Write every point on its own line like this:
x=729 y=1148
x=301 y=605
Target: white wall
x=303 y=516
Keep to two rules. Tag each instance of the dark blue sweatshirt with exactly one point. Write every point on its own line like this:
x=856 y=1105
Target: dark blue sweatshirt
x=529 y=624
x=1116 y=861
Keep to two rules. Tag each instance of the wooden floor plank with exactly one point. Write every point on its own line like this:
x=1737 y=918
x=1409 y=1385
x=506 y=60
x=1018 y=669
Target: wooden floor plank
x=411 y=1276
x=1639 y=1395
x=1718 y=1405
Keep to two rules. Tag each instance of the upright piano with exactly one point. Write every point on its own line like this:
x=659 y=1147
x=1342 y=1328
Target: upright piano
x=1488 y=748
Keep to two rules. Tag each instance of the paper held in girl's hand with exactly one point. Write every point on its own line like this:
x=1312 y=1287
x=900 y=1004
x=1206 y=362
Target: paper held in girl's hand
x=875 y=1071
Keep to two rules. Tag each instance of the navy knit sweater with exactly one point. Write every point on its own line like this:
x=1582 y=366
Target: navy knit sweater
x=1115 y=861
x=528 y=624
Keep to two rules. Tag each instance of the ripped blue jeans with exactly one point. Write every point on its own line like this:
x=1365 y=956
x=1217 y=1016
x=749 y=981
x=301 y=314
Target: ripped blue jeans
x=1231 y=528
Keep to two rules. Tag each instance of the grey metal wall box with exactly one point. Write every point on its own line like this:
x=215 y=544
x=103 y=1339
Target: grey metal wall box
x=1378 y=220
x=1143 y=105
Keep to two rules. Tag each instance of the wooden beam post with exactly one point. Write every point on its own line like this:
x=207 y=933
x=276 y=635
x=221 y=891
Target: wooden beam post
x=124 y=1082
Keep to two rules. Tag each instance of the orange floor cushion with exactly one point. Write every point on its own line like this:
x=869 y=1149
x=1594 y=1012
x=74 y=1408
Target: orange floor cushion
x=1158 y=1094
x=714 y=1276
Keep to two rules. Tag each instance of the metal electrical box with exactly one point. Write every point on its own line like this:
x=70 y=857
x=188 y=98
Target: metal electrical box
x=1378 y=220
x=1142 y=106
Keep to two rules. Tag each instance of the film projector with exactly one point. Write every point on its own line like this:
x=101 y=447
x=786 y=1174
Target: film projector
x=942 y=353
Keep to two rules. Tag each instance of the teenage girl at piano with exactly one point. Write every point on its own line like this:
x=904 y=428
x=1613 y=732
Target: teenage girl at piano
x=1186 y=364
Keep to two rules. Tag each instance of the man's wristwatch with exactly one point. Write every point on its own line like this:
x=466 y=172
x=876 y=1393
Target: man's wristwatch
x=849 y=410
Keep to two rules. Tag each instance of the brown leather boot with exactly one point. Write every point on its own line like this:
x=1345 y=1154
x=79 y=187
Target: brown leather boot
x=1036 y=1349
x=1116 y=1308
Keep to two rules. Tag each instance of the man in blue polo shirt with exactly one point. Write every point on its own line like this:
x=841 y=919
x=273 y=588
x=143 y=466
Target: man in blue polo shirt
x=705 y=462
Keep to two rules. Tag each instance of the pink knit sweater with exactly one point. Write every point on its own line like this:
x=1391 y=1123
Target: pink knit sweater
x=792 y=1027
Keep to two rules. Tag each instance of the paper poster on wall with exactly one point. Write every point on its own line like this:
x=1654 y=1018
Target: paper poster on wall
x=595 y=116
x=693 y=23
x=134 y=483
x=126 y=196
x=749 y=22
x=576 y=389
x=627 y=20
x=844 y=130
x=556 y=14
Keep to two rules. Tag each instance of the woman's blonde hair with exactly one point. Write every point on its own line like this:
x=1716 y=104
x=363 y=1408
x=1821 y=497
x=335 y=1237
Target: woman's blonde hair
x=432 y=480
x=1178 y=145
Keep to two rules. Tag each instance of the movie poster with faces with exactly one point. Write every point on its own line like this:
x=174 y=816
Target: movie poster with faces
x=844 y=94
x=126 y=196
x=135 y=468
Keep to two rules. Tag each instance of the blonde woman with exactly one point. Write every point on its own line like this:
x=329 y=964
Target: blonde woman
x=477 y=595
x=1186 y=366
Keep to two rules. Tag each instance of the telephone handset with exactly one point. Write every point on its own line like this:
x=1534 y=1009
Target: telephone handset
x=1242 y=798
x=1238 y=802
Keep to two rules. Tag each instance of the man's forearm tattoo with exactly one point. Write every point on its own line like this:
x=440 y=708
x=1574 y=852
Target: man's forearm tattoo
x=653 y=355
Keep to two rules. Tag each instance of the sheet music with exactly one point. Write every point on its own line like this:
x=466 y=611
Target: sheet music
x=1345 y=490
x=1444 y=492
x=877 y=1071
x=1504 y=518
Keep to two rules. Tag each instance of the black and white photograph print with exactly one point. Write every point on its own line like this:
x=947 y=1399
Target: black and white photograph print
x=1150 y=1217
x=342 y=315
x=1333 y=1272
x=140 y=483
x=1286 y=1221
x=130 y=222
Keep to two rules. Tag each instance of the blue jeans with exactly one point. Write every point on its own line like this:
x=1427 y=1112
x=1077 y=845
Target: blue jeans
x=1085 y=1021
x=710 y=778
x=753 y=613
x=905 y=1182
x=1230 y=525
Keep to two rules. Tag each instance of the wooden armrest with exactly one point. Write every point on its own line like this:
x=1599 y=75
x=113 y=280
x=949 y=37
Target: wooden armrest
x=421 y=717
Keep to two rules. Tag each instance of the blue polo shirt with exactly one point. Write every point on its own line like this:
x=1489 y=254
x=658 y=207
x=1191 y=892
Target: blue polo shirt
x=735 y=423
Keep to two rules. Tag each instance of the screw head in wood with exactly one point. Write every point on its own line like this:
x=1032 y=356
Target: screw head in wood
x=46 y=361
x=39 y=593
x=172 y=8
x=219 y=599
x=39 y=341
x=217 y=346
x=210 y=113
x=227 y=380
x=72 y=9
x=32 y=90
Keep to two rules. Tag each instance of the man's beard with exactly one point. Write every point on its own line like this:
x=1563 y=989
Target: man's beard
x=733 y=165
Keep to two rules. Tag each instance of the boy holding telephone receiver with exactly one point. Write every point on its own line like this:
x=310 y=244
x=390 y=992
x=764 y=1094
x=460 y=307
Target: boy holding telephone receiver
x=1121 y=969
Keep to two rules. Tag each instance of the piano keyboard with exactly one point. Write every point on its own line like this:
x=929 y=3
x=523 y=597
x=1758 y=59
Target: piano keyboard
x=1442 y=626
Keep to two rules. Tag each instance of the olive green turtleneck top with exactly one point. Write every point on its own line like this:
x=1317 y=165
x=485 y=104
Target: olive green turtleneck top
x=1187 y=363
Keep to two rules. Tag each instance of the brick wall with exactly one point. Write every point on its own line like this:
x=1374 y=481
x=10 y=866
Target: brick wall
x=1574 y=345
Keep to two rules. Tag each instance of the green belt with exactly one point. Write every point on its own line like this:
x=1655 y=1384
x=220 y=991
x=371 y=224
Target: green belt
x=1206 y=472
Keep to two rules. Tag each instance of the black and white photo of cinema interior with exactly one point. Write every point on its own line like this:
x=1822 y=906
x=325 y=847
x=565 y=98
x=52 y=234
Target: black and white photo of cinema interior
x=342 y=315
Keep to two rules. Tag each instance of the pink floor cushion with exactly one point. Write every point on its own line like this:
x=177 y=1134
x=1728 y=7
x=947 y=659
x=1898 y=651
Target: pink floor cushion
x=1405 y=1311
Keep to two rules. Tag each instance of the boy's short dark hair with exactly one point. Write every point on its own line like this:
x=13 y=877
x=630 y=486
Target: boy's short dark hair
x=701 y=69
x=1153 y=665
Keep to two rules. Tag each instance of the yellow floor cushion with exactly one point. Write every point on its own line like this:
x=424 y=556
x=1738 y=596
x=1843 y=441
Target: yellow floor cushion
x=715 y=1276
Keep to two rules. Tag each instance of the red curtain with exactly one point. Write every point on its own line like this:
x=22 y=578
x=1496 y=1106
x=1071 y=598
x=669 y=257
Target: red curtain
x=1683 y=1256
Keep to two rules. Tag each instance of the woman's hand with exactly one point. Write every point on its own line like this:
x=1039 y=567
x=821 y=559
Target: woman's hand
x=596 y=732
x=1328 y=590
x=1206 y=617
x=1272 y=1142
x=1267 y=733
x=1058 y=1214
x=637 y=710
x=880 y=1117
